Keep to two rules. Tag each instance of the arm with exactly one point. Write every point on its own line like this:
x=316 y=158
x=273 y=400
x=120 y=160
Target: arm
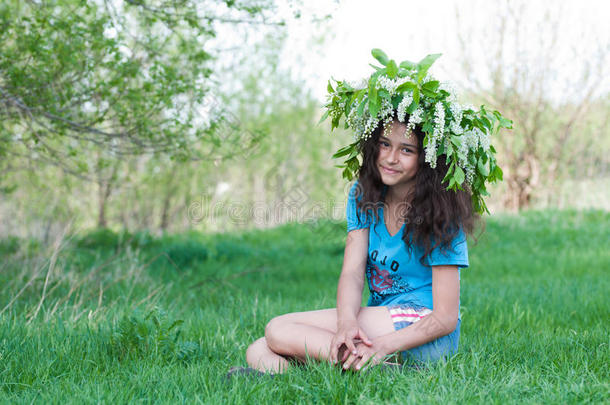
x=443 y=319
x=351 y=281
x=349 y=292
x=440 y=322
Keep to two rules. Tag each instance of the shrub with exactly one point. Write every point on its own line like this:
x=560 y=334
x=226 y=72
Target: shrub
x=152 y=336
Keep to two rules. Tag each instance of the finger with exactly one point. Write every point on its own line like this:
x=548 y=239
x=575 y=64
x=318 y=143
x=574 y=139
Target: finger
x=350 y=361
x=331 y=351
x=351 y=347
x=344 y=355
x=373 y=361
x=365 y=338
x=364 y=361
x=334 y=350
x=339 y=349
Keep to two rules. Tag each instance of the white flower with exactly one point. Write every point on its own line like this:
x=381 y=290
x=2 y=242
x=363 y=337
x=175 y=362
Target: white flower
x=401 y=110
x=363 y=126
x=384 y=82
x=336 y=110
x=437 y=135
x=469 y=169
x=431 y=152
x=484 y=139
x=456 y=112
x=439 y=117
x=455 y=108
x=469 y=141
x=449 y=88
x=357 y=84
x=415 y=118
x=429 y=78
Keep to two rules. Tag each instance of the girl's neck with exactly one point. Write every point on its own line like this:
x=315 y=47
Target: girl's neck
x=397 y=195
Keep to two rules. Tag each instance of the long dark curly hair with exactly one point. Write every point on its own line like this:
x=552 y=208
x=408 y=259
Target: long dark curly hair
x=433 y=215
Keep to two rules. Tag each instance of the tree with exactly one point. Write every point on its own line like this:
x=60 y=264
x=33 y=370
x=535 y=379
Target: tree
x=126 y=76
x=521 y=62
x=272 y=126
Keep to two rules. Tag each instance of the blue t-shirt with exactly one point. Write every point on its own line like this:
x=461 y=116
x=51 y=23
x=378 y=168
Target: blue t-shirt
x=394 y=275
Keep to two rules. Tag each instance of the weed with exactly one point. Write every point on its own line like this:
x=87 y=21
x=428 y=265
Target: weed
x=154 y=335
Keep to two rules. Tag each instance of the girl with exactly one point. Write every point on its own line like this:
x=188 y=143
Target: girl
x=417 y=196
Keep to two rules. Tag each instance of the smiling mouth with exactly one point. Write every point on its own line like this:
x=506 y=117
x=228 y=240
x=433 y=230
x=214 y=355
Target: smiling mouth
x=388 y=171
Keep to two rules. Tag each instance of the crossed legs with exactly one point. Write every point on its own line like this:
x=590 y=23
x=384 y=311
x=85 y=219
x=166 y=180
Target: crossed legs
x=301 y=334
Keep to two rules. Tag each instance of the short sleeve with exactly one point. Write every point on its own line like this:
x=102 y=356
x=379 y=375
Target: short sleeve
x=351 y=212
x=456 y=255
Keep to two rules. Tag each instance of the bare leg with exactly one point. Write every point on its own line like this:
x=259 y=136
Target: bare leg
x=303 y=334
x=260 y=357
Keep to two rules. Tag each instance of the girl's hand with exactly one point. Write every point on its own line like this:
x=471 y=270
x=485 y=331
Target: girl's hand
x=344 y=339
x=367 y=356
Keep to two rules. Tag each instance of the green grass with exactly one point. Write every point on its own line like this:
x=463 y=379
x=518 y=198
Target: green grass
x=98 y=318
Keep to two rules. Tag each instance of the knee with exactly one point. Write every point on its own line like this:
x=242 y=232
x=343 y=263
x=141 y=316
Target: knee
x=275 y=334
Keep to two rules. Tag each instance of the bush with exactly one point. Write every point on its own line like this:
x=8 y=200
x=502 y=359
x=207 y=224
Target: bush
x=184 y=253
x=101 y=238
x=9 y=245
x=154 y=335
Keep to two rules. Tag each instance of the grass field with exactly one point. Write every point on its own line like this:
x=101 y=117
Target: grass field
x=132 y=318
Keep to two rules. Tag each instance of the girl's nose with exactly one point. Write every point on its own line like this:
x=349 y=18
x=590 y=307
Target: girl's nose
x=393 y=156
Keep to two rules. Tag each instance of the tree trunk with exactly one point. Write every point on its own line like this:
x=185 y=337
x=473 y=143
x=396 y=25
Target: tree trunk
x=104 y=189
x=102 y=199
x=165 y=209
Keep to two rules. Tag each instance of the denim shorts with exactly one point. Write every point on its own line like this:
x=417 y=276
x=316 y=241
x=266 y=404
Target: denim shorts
x=440 y=348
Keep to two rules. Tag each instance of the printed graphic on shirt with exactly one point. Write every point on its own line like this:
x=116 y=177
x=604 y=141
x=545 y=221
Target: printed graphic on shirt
x=380 y=280
x=383 y=284
x=394 y=265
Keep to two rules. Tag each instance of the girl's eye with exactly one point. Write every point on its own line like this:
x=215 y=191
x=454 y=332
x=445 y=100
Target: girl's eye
x=383 y=143
x=407 y=150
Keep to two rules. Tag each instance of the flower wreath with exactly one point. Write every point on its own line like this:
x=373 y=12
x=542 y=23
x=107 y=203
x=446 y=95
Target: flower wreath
x=451 y=129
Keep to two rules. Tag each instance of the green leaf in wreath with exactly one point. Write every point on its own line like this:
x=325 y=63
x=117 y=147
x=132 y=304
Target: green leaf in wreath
x=486 y=123
x=408 y=65
x=449 y=172
x=324 y=116
x=343 y=151
x=335 y=123
x=456 y=140
x=380 y=56
x=459 y=175
x=416 y=95
x=396 y=101
x=347 y=174
x=406 y=86
x=426 y=62
x=383 y=93
x=483 y=167
x=504 y=123
x=374 y=105
x=431 y=85
x=497 y=172
x=428 y=93
x=373 y=100
x=360 y=110
x=392 y=69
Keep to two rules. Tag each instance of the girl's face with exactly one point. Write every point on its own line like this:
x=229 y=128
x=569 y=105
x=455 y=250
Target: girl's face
x=397 y=159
